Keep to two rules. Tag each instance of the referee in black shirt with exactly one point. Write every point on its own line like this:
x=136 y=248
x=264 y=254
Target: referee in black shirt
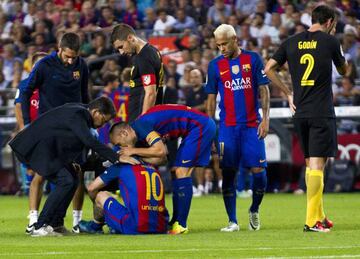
x=310 y=55
x=147 y=72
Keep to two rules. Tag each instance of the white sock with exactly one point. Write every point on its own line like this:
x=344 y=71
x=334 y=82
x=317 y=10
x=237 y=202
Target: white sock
x=208 y=187
x=33 y=217
x=77 y=214
x=220 y=184
x=200 y=187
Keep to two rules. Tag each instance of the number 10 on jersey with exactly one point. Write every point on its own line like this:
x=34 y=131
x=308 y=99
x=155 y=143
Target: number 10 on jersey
x=151 y=186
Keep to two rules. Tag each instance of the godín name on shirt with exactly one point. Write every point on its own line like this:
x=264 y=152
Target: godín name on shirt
x=307 y=44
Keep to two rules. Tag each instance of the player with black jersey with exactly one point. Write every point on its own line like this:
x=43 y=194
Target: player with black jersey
x=309 y=55
x=147 y=72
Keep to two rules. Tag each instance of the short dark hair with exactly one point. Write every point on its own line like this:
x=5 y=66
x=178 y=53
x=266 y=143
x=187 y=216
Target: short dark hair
x=71 y=41
x=104 y=105
x=109 y=78
x=37 y=56
x=121 y=32
x=322 y=14
x=118 y=126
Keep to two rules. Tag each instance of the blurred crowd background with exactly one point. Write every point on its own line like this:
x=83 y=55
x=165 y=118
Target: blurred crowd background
x=183 y=32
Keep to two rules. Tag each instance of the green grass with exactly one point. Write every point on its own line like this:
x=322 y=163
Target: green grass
x=282 y=217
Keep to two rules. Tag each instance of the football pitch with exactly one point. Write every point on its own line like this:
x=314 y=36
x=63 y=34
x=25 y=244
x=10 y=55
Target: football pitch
x=281 y=235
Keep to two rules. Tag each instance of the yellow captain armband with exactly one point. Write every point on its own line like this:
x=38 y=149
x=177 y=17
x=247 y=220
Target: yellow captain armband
x=153 y=137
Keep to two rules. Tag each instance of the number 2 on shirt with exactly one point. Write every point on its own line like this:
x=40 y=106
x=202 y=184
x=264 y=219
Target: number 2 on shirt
x=309 y=60
x=151 y=186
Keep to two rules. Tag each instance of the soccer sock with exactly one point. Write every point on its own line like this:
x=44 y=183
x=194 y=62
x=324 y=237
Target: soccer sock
x=229 y=193
x=175 y=202
x=185 y=192
x=33 y=217
x=259 y=187
x=314 y=192
x=29 y=179
x=307 y=170
x=77 y=214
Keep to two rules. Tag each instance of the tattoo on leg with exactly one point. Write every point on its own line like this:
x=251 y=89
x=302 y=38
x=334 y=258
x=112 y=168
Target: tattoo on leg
x=98 y=214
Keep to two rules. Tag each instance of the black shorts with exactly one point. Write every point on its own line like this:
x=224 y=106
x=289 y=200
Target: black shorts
x=317 y=136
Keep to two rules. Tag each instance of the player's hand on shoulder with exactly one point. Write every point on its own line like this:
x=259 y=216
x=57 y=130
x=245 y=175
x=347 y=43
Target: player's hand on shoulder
x=128 y=160
x=127 y=151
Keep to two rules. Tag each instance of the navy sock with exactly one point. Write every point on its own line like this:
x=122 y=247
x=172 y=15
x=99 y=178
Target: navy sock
x=229 y=192
x=174 y=201
x=185 y=192
x=259 y=187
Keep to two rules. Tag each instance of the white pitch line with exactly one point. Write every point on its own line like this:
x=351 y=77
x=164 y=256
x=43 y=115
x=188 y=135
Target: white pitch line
x=195 y=250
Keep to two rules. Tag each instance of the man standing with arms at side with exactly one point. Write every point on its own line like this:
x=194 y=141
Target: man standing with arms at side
x=239 y=77
x=61 y=77
x=310 y=55
x=147 y=72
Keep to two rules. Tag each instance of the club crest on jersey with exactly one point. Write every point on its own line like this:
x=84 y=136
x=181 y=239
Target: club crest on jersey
x=246 y=67
x=235 y=69
x=76 y=75
x=146 y=79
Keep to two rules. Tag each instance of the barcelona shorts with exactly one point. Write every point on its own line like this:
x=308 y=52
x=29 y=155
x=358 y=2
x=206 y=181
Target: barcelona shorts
x=240 y=144
x=195 y=148
x=318 y=136
x=118 y=217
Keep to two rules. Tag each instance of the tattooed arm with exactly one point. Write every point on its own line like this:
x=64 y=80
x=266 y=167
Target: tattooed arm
x=263 y=128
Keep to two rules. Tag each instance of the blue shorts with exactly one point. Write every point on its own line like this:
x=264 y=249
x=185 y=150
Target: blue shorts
x=240 y=144
x=195 y=148
x=118 y=217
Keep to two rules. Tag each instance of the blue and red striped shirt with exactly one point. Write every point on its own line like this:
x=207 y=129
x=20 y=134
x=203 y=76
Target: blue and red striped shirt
x=237 y=80
x=120 y=98
x=143 y=193
x=169 y=121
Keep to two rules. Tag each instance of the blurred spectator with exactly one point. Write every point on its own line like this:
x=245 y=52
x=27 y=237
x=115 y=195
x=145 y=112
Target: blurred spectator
x=234 y=22
x=18 y=14
x=3 y=83
x=193 y=41
x=164 y=23
x=19 y=37
x=52 y=13
x=196 y=96
x=41 y=16
x=186 y=61
x=5 y=26
x=8 y=61
x=88 y=18
x=350 y=43
x=306 y=14
x=171 y=71
x=198 y=12
x=72 y=22
x=99 y=47
x=261 y=7
x=170 y=93
x=258 y=29
x=149 y=19
x=111 y=66
x=29 y=18
x=107 y=18
x=184 y=81
x=131 y=15
x=111 y=82
x=40 y=27
x=287 y=16
x=245 y=7
x=17 y=73
x=168 y=5
x=346 y=92
x=218 y=13
x=183 y=22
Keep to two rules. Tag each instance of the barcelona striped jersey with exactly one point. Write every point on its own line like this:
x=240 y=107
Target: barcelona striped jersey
x=237 y=81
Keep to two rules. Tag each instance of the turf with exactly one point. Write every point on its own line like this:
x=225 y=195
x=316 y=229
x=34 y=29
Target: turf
x=281 y=236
